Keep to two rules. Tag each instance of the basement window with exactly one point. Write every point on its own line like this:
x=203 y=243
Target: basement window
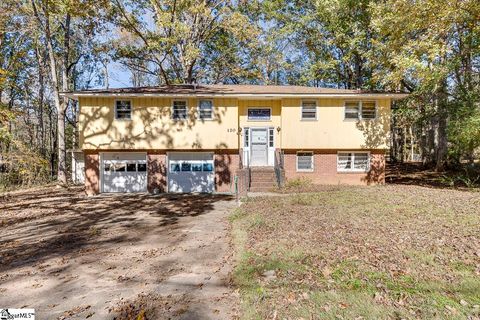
x=305 y=161
x=353 y=161
x=123 y=110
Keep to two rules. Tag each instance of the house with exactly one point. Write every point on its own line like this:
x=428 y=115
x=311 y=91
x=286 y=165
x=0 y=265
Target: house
x=201 y=138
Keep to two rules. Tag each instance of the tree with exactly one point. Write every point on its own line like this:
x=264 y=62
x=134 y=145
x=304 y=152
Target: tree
x=181 y=36
x=75 y=21
x=428 y=47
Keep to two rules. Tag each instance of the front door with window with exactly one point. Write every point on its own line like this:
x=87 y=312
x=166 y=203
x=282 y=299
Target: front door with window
x=259 y=147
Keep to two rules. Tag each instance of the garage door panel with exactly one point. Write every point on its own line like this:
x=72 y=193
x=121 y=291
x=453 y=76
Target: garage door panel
x=191 y=172
x=124 y=172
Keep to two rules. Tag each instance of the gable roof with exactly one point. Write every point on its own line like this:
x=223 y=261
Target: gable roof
x=227 y=90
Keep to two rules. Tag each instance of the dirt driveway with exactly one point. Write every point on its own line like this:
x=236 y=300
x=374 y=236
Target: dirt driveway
x=117 y=256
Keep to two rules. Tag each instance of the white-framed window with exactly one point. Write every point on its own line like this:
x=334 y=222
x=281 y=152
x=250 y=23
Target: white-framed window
x=246 y=138
x=305 y=161
x=179 y=110
x=205 y=109
x=309 y=110
x=369 y=110
x=271 y=136
x=191 y=166
x=353 y=161
x=123 y=110
x=125 y=166
x=259 y=114
x=360 y=110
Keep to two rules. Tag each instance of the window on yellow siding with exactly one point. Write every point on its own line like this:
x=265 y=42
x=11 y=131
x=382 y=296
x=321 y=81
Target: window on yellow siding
x=309 y=110
x=123 y=110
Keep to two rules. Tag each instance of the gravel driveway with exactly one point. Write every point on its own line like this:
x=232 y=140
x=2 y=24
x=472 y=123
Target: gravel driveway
x=116 y=256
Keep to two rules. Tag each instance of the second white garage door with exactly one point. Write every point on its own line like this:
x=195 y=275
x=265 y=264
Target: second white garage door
x=191 y=172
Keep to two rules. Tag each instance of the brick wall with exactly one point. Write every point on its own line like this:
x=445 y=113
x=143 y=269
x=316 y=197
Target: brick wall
x=92 y=174
x=325 y=169
x=226 y=165
x=157 y=172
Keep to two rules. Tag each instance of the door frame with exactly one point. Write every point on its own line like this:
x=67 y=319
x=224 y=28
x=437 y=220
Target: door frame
x=247 y=151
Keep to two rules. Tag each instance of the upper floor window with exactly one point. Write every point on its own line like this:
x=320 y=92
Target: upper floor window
x=259 y=114
x=179 y=110
x=123 y=110
x=309 y=110
x=305 y=161
x=353 y=161
x=205 y=109
x=359 y=110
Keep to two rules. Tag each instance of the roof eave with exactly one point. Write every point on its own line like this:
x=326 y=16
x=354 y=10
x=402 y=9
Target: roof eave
x=394 y=96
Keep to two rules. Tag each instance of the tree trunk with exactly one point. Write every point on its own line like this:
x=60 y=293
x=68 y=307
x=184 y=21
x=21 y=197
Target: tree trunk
x=440 y=129
x=59 y=103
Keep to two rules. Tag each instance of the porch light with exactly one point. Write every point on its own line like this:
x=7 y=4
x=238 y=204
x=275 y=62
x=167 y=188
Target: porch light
x=278 y=129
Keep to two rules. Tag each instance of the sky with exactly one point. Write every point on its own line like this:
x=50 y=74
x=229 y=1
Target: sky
x=118 y=76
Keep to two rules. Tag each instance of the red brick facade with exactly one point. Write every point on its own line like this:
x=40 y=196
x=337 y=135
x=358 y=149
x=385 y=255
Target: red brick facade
x=156 y=172
x=92 y=174
x=325 y=169
x=226 y=165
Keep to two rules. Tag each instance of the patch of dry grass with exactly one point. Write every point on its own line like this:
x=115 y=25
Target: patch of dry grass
x=360 y=252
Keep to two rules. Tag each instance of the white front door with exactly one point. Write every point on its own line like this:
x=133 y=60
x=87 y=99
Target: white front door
x=259 y=147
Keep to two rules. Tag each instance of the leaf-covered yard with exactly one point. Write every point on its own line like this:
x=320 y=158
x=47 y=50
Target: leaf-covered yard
x=389 y=252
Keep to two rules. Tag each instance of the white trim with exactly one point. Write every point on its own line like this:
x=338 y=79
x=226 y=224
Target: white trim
x=266 y=96
x=186 y=110
x=260 y=120
x=316 y=110
x=313 y=162
x=353 y=170
x=360 y=110
x=115 y=110
x=198 y=110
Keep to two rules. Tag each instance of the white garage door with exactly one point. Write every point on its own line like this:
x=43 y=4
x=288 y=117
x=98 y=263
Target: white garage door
x=191 y=172
x=124 y=172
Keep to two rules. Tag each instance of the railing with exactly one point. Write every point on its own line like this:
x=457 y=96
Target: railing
x=279 y=166
x=245 y=165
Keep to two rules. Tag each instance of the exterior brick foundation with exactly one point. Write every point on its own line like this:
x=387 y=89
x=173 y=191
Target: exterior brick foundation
x=92 y=174
x=325 y=169
x=226 y=165
x=156 y=172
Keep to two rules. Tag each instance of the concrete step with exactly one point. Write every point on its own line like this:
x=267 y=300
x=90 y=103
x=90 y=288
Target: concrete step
x=263 y=178
x=262 y=189
x=264 y=184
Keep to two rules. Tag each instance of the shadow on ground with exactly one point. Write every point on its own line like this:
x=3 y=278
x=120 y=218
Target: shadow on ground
x=42 y=224
x=415 y=173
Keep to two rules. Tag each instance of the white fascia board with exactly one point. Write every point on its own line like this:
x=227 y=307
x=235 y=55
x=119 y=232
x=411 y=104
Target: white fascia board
x=250 y=96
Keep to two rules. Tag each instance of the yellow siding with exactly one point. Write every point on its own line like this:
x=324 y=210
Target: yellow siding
x=330 y=130
x=152 y=128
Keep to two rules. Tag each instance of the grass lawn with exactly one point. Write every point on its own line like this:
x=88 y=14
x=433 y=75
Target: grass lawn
x=387 y=252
